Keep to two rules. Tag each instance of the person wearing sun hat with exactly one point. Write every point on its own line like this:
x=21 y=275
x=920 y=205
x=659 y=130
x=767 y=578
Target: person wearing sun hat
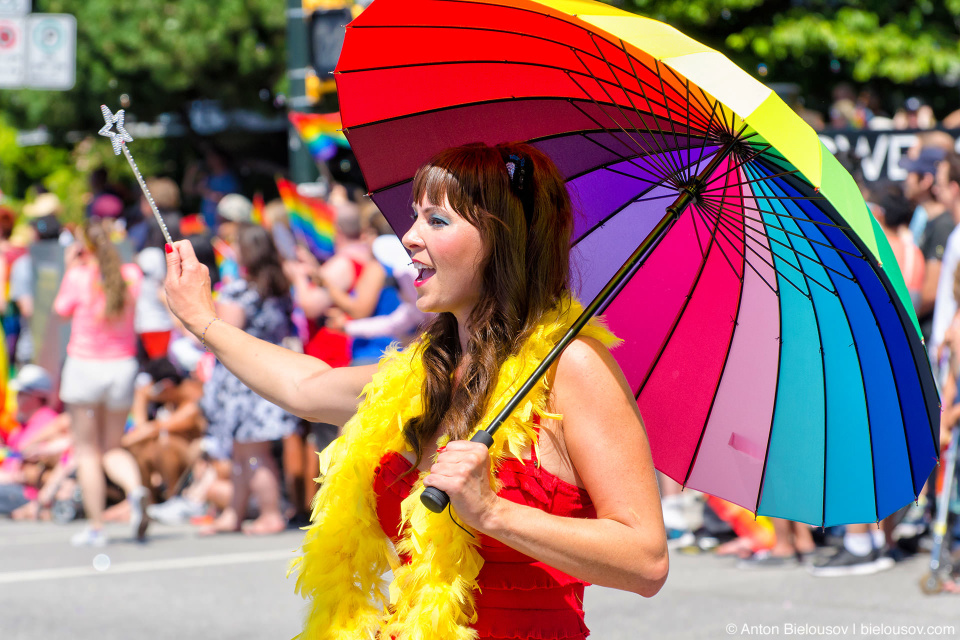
x=233 y=210
x=43 y=214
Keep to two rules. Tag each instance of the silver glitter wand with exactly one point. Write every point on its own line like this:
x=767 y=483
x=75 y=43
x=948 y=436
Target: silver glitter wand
x=118 y=138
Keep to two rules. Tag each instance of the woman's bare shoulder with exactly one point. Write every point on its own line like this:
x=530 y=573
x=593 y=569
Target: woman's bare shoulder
x=587 y=361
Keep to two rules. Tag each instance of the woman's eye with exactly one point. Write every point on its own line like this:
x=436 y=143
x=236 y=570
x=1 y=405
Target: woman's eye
x=437 y=221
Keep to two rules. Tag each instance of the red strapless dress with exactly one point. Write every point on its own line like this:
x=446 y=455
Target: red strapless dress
x=519 y=597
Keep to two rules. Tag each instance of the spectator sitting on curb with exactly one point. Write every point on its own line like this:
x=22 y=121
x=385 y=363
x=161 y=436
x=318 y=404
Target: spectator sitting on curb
x=163 y=436
x=41 y=447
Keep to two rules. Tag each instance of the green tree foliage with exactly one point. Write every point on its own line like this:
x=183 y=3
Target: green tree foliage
x=899 y=46
x=62 y=171
x=162 y=55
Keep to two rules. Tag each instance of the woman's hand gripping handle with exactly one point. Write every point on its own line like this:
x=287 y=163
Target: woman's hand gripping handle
x=436 y=500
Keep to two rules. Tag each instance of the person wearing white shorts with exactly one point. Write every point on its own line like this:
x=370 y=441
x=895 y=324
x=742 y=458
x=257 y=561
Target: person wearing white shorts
x=98 y=293
x=99 y=382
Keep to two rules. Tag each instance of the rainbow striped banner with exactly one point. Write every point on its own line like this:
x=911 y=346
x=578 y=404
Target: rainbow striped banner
x=312 y=220
x=320 y=132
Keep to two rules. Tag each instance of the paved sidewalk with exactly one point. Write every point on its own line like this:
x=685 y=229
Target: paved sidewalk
x=180 y=586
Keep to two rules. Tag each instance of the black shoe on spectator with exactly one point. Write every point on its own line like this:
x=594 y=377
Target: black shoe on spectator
x=845 y=563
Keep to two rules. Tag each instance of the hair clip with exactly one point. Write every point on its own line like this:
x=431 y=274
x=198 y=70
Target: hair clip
x=518 y=166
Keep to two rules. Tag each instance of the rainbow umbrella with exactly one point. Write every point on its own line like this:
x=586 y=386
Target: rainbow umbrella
x=312 y=220
x=770 y=340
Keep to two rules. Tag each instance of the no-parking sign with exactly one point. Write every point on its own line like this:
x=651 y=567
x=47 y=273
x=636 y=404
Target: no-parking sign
x=13 y=52
x=51 y=50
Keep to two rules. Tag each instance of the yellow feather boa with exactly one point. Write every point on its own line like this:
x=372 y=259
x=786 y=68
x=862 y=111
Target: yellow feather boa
x=345 y=553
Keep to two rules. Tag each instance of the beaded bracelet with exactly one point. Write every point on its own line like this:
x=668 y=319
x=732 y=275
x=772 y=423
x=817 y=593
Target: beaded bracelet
x=203 y=335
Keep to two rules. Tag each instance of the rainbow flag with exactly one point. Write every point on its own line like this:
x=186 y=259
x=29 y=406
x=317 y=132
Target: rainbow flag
x=321 y=133
x=222 y=252
x=256 y=215
x=312 y=220
x=192 y=225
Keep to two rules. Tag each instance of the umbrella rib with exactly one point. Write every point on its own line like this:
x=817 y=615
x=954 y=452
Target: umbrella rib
x=638 y=178
x=604 y=165
x=710 y=124
x=646 y=99
x=725 y=234
x=726 y=222
x=687 y=175
x=660 y=150
x=686 y=81
x=632 y=105
x=662 y=153
x=722 y=229
x=676 y=319
x=663 y=91
x=716 y=390
x=735 y=213
x=819 y=223
x=650 y=154
x=743 y=255
x=640 y=83
x=764 y=179
x=626 y=204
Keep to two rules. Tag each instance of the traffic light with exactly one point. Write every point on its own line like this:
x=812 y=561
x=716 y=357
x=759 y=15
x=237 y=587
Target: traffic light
x=326 y=32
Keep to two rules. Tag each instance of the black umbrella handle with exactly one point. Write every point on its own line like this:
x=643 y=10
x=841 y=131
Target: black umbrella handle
x=436 y=500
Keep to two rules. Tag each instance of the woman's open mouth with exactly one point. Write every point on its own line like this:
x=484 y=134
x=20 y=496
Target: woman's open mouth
x=423 y=274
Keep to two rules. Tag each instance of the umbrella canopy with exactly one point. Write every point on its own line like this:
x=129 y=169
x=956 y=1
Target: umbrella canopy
x=770 y=340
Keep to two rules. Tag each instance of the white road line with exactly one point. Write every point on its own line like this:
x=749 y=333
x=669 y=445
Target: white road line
x=162 y=564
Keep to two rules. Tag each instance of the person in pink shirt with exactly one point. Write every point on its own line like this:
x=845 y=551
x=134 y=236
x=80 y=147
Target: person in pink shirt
x=98 y=294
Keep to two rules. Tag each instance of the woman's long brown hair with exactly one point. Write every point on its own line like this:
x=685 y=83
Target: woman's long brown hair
x=524 y=276
x=259 y=257
x=108 y=259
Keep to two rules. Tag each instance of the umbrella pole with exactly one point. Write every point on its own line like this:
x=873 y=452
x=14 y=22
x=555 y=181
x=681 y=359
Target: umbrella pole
x=437 y=500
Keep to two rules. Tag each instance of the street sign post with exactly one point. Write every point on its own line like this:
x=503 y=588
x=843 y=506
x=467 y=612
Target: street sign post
x=37 y=50
x=13 y=53
x=51 y=51
x=14 y=7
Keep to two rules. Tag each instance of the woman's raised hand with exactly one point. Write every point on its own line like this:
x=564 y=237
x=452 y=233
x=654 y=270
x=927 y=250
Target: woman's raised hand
x=187 y=287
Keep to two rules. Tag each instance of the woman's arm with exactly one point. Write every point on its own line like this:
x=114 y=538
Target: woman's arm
x=300 y=384
x=314 y=300
x=625 y=547
x=366 y=293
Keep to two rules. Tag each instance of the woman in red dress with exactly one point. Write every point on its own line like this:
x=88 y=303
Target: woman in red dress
x=566 y=496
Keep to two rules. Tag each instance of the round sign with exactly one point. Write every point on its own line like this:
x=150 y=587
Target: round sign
x=8 y=36
x=48 y=36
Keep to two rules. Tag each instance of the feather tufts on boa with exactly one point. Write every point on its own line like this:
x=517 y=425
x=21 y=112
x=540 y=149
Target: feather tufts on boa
x=345 y=553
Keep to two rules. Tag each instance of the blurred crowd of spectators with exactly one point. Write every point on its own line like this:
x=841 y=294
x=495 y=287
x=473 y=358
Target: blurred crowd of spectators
x=194 y=444
x=851 y=108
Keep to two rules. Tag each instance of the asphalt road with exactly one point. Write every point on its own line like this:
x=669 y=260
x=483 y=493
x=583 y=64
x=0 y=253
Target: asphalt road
x=183 y=586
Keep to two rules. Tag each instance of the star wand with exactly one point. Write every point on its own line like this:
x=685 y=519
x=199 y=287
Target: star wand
x=118 y=138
